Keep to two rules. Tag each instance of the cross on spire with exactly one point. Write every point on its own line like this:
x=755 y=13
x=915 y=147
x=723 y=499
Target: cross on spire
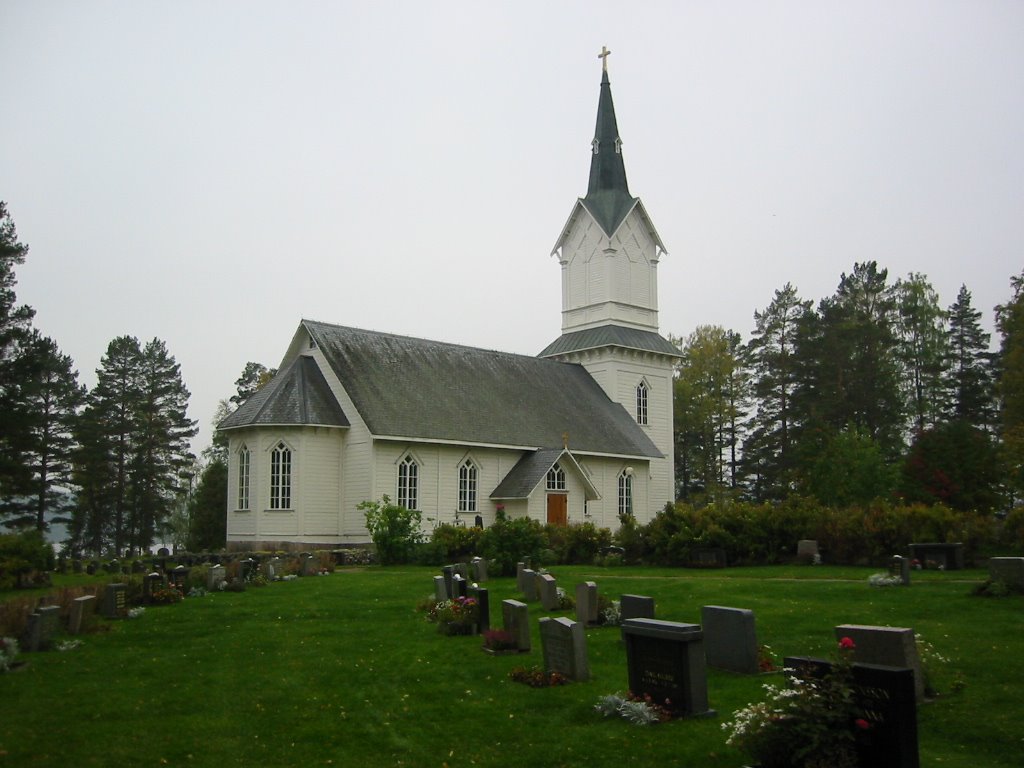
x=603 y=56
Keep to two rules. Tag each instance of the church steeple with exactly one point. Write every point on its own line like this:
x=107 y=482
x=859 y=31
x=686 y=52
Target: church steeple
x=608 y=197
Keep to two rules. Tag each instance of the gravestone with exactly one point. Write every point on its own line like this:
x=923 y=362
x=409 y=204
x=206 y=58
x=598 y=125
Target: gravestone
x=548 y=590
x=730 y=640
x=447 y=572
x=564 y=645
x=520 y=567
x=271 y=568
x=887 y=646
x=138 y=566
x=901 y=569
x=459 y=586
x=529 y=587
x=41 y=627
x=463 y=570
x=636 y=607
x=586 y=603
x=246 y=569
x=1009 y=570
x=179 y=578
x=91 y=568
x=948 y=556
x=666 y=660
x=215 y=576
x=151 y=582
x=440 y=590
x=82 y=610
x=483 y=608
x=807 y=550
x=309 y=565
x=115 y=601
x=163 y=552
x=478 y=569
x=885 y=695
x=515 y=619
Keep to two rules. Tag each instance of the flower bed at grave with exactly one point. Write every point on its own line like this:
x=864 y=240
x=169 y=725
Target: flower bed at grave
x=535 y=677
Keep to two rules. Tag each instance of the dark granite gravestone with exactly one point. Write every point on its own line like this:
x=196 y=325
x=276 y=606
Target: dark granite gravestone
x=564 y=645
x=463 y=570
x=115 y=601
x=179 y=578
x=40 y=629
x=246 y=569
x=586 y=603
x=163 y=552
x=885 y=696
x=151 y=582
x=548 y=592
x=483 y=607
x=948 y=556
x=900 y=568
x=888 y=646
x=515 y=619
x=82 y=610
x=636 y=607
x=529 y=587
x=1009 y=570
x=447 y=572
x=730 y=640
x=459 y=586
x=666 y=661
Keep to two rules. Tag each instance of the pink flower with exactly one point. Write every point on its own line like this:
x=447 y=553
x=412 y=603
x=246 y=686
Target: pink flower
x=847 y=643
x=862 y=724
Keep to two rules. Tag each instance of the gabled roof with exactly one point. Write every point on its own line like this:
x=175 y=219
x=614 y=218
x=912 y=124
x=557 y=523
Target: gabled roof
x=610 y=336
x=411 y=388
x=299 y=394
x=528 y=473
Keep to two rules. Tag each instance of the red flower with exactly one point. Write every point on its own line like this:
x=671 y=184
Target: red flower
x=862 y=724
x=847 y=643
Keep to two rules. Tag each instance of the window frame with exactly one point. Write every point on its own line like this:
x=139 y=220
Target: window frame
x=244 y=476
x=625 y=492
x=555 y=478
x=643 y=393
x=281 y=464
x=469 y=475
x=407 y=481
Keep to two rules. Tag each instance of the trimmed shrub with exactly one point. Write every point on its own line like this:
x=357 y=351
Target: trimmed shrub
x=508 y=541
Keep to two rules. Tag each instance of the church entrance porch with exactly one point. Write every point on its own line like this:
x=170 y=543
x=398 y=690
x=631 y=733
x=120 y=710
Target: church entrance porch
x=558 y=509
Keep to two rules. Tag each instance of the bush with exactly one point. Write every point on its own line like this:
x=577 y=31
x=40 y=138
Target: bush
x=579 y=543
x=22 y=554
x=453 y=543
x=509 y=541
x=395 y=530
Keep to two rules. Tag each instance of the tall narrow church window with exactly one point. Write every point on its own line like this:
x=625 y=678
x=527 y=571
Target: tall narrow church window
x=408 y=483
x=281 y=477
x=641 y=403
x=243 y=477
x=626 y=492
x=556 y=478
x=467 y=486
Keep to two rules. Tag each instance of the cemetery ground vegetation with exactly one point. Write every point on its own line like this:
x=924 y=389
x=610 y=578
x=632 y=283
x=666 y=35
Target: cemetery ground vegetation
x=341 y=669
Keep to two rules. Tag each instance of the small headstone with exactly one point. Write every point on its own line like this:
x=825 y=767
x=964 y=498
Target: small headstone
x=901 y=569
x=548 y=590
x=1009 y=570
x=447 y=572
x=636 y=607
x=483 y=608
x=807 y=550
x=666 y=661
x=440 y=591
x=529 y=587
x=520 y=567
x=41 y=628
x=459 y=586
x=885 y=696
x=179 y=578
x=163 y=552
x=82 y=610
x=887 y=646
x=214 y=576
x=730 y=640
x=115 y=601
x=138 y=566
x=564 y=646
x=515 y=619
x=151 y=582
x=310 y=565
x=272 y=568
x=463 y=570
x=586 y=603
x=246 y=569
x=91 y=568
x=478 y=569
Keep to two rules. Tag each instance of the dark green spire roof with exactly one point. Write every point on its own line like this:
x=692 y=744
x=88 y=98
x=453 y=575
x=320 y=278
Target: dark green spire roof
x=608 y=198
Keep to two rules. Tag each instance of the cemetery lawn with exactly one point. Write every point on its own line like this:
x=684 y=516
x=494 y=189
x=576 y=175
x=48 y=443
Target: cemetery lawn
x=340 y=670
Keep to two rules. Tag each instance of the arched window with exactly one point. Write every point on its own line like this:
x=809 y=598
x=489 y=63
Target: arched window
x=626 y=491
x=467 y=486
x=244 y=458
x=281 y=477
x=556 y=478
x=408 y=483
x=641 y=402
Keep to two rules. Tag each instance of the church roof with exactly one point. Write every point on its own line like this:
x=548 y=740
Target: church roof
x=530 y=470
x=299 y=394
x=608 y=198
x=412 y=388
x=610 y=336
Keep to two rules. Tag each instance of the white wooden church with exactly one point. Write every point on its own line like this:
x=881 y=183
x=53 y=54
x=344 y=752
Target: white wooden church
x=581 y=432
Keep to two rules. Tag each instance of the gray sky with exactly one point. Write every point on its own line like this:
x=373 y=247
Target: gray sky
x=209 y=173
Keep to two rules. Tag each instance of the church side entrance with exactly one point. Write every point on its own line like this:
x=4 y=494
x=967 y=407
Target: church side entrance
x=558 y=508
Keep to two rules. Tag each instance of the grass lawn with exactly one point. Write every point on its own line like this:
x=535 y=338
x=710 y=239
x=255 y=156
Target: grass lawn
x=340 y=670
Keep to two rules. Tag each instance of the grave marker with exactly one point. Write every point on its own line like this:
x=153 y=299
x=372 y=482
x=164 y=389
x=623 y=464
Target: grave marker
x=440 y=590
x=636 y=607
x=564 y=645
x=41 y=627
x=1009 y=570
x=730 y=640
x=548 y=590
x=478 y=569
x=887 y=646
x=82 y=610
x=483 y=608
x=666 y=660
x=586 y=603
x=529 y=588
x=515 y=617
x=215 y=576
x=115 y=601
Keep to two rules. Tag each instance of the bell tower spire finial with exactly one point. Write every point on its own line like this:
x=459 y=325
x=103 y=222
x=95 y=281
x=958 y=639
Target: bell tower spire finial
x=603 y=56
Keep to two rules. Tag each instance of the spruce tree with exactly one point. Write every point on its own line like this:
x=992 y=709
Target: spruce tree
x=1010 y=322
x=970 y=377
x=923 y=350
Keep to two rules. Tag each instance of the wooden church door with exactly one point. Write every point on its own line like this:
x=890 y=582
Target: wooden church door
x=558 y=509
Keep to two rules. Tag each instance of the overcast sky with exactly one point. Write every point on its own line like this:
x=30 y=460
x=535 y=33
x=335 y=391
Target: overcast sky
x=210 y=173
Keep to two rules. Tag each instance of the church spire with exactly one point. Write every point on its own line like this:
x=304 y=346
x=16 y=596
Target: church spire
x=608 y=197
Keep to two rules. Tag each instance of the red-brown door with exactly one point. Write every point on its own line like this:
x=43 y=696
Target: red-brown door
x=558 y=509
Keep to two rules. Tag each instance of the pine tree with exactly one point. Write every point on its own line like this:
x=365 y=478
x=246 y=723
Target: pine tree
x=923 y=349
x=970 y=378
x=1010 y=322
